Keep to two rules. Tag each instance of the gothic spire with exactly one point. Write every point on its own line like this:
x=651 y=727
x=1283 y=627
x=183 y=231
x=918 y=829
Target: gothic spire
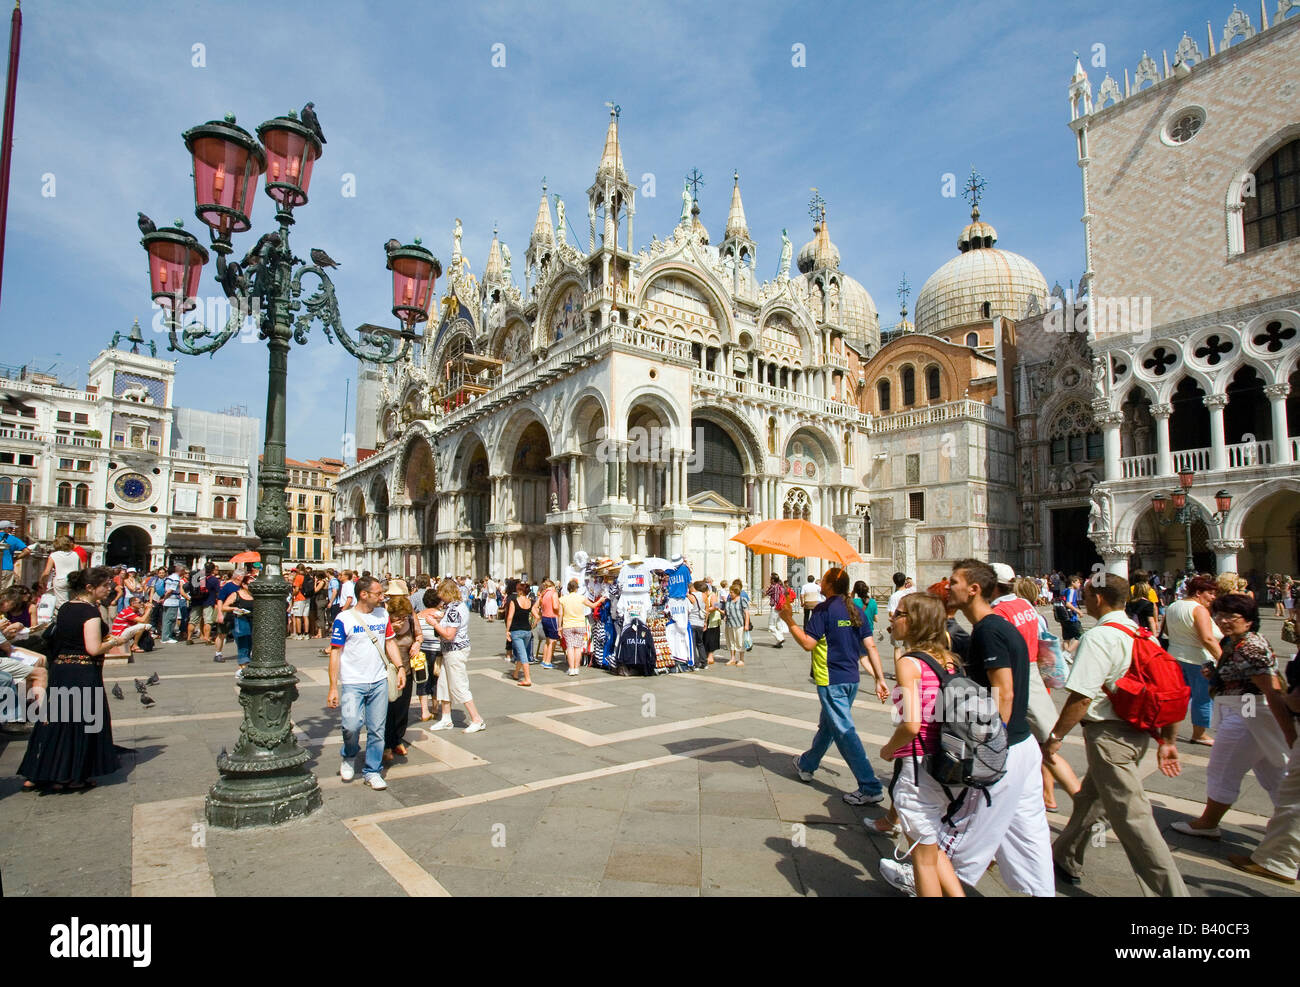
x=736 y=225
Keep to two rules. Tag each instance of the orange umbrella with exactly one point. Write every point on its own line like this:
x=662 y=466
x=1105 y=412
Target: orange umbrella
x=244 y=557
x=797 y=539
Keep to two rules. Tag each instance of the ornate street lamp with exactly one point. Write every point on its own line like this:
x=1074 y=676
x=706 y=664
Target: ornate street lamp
x=1185 y=515
x=265 y=779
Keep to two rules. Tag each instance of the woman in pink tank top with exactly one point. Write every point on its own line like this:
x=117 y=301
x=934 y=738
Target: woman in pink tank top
x=918 y=800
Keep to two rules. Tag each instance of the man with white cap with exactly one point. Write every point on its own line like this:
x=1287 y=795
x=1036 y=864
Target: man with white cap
x=14 y=549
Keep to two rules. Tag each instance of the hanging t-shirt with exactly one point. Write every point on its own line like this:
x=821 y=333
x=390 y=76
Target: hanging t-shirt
x=360 y=663
x=678 y=581
x=835 y=658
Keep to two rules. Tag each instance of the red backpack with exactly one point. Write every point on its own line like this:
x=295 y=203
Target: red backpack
x=1152 y=693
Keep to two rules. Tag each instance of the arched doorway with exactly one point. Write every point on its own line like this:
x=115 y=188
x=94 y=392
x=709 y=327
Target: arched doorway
x=715 y=489
x=128 y=545
x=530 y=477
x=1163 y=547
x=1271 y=532
x=421 y=485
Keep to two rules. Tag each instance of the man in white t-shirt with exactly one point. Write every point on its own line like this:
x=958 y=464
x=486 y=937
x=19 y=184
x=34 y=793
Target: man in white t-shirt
x=173 y=592
x=902 y=588
x=811 y=595
x=347 y=598
x=361 y=649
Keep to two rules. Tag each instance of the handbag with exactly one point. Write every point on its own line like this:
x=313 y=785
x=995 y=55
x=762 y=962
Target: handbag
x=1051 y=661
x=1288 y=631
x=749 y=641
x=394 y=690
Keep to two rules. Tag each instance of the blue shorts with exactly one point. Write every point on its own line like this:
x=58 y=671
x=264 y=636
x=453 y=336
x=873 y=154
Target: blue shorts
x=551 y=628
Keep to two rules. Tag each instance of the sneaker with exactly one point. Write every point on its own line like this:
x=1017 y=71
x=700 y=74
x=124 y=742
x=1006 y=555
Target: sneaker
x=547 y=664
x=218 y=657
x=476 y=727
x=864 y=798
x=573 y=671
x=239 y=675
x=803 y=775
x=347 y=770
x=443 y=724
x=376 y=781
x=898 y=876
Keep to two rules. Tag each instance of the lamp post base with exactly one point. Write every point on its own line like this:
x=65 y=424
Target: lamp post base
x=238 y=803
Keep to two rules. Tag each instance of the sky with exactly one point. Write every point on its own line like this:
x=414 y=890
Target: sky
x=428 y=120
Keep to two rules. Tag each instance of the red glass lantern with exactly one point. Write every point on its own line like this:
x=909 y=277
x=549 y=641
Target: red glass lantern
x=176 y=260
x=1179 y=499
x=415 y=272
x=291 y=150
x=227 y=163
x=1158 y=502
x=1223 y=501
x=1187 y=478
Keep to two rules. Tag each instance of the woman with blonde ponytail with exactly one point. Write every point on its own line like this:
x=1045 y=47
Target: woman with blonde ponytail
x=919 y=802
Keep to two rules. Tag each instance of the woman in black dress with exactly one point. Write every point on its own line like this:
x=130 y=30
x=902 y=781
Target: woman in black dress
x=65 y=752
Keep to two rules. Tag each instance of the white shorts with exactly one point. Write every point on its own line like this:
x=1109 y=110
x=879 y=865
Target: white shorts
x=1013 y=828
x=301 y=608
x=920 y=804
x=453 y=683
x=1243 y=744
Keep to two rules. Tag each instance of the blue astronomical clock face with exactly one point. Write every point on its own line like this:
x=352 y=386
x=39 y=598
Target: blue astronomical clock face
x=132 y=488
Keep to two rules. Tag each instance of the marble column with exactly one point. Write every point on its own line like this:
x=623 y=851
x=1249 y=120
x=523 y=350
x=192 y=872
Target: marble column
x=1225 y=553
x=1115 y=558
x=1277 y=395
x=1164 y=458
x=573 y=484
x=1218 y=448
x=640 y=532
x=1110 y=422
x=565 y=553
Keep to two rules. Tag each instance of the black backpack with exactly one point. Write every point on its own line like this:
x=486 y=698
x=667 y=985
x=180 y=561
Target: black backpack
x=308 y=587
x=972 y=747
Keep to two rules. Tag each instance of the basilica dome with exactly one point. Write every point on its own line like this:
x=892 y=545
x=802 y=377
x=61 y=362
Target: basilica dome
x=850 y=305
x=981 y=275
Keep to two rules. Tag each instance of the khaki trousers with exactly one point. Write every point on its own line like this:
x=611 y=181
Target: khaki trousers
x=1280 y=850
x=1112 y=790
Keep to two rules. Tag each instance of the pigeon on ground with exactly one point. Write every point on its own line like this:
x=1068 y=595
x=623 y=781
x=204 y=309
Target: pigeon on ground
x=147 y=701
x=145 y=223
x=139 y=686
x=117 y=691
x=153 y=679
x=308 y=117
x=322 y=259
x=392 y=245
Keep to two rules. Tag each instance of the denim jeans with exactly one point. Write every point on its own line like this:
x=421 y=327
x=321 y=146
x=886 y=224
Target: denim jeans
x=836 y=723
x=244 y=647
x=370 y=701
x=521 y=642
x=170 y=617
x=1201 y=706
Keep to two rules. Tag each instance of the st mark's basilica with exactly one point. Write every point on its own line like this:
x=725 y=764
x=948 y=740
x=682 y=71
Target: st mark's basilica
x=656 y=401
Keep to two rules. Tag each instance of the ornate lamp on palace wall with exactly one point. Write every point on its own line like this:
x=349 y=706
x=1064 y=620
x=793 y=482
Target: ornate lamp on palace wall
x=1185 y=515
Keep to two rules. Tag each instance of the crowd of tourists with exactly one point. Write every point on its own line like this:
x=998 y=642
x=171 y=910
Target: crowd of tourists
x=974 y=755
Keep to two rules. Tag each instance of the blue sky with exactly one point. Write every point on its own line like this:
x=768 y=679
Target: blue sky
x=892 y=96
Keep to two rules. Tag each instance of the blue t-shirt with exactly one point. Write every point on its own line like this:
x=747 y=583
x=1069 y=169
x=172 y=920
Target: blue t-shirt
x=678 y=581
x=835 y=658
x=1075 y=597
x=11 y=544
x=226 y=591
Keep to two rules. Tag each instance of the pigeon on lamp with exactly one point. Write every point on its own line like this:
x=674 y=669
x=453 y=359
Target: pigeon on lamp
x=145 y=223
x=153 y=679
x=322 y=259
x=308 y=117
x=392 y=245
x=147 y=701
x=117 y=691
x=254 y=256
x=139 y=686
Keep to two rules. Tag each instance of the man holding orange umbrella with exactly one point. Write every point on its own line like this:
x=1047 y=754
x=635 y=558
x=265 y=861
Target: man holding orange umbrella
x=837 y=636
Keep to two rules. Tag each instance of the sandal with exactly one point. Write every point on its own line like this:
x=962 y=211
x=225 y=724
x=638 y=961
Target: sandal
x=400 y=750
x=1204 y=741
x=526 y=685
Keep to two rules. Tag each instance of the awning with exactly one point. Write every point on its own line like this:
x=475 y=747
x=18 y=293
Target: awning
x=212 y=544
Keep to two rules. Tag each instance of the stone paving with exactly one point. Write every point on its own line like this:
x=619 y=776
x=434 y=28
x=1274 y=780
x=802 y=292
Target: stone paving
x=600 y=785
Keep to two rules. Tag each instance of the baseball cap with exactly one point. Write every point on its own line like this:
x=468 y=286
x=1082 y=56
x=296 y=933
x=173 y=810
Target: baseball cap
x=4 y=525
x=1006 y=575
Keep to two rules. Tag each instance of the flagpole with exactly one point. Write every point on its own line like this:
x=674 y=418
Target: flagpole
x=6 y=152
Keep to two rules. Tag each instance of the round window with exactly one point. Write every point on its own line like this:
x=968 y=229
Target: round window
x=1184 y=125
